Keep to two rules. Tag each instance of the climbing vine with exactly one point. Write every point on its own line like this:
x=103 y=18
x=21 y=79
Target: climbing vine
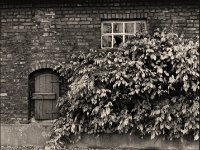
x=149 y=86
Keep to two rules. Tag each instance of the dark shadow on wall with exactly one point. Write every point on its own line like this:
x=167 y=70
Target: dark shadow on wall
x=153 y=25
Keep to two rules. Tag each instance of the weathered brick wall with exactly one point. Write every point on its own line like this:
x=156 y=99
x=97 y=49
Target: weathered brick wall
x=34 y=37
x=36 y=134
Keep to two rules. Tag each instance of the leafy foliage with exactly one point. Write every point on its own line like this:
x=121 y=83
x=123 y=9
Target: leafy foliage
x=147 y=86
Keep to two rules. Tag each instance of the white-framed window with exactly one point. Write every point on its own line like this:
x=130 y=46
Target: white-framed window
x=113 y=33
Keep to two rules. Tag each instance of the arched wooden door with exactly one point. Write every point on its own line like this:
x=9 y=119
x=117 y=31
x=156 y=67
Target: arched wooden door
x=46 y=92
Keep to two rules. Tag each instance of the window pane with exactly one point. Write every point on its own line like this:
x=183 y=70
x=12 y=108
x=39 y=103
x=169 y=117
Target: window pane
x=129 y=27
x=140 y=27
x=106 y=41
x=129 y=37
x=118 y=39
x=107 y=28
x=118 y=27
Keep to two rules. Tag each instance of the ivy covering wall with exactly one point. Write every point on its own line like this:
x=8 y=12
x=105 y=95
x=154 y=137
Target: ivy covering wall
x=148 y=86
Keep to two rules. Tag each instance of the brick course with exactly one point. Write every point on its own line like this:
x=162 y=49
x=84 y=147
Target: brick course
x=42 y=36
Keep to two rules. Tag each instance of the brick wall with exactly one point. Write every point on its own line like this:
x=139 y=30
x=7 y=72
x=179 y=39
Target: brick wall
x=41 y=36
x=37 y=134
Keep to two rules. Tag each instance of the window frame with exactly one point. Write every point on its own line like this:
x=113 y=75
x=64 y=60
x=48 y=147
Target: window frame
x=123 y=34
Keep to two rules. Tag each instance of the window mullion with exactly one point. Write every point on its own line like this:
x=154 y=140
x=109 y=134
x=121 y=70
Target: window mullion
x=123 y=32
x=102 y=34
x=101 y=41
x=112 y=35
x=134 y=27
x=145 y=27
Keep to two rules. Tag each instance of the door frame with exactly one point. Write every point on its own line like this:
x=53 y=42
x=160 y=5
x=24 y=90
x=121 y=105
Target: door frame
x=31 y=87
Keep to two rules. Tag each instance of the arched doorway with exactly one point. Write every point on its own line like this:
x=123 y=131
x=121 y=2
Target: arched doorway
x=44 y=90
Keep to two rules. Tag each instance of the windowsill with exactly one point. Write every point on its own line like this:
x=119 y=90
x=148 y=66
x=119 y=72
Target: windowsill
x=42 y=122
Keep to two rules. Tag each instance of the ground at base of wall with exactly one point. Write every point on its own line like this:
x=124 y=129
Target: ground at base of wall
x=80 y=148
x=73 y=148
x=21 y=148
